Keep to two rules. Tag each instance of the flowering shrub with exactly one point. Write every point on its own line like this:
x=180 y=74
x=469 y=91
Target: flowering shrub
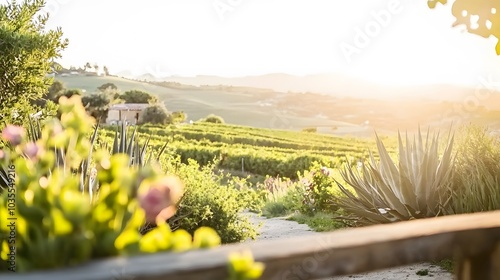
x=318 y=195
x=57 y=225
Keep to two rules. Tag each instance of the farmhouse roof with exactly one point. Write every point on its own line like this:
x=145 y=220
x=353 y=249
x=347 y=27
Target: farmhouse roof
x=129 y=107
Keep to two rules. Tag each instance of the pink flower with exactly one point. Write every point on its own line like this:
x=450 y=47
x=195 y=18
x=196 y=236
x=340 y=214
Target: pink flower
x=159 y=201
x=14 y=134
x=31 y=150
x=325 y=171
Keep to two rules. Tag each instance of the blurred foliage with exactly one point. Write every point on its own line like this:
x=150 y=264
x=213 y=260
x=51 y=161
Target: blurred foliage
x=310 y=129
x=56 y=226
x=486 y=11
x=243 y=267
x=28 y=50
x=179 y=117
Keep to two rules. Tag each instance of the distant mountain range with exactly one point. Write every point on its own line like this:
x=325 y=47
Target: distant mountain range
x=331 y=84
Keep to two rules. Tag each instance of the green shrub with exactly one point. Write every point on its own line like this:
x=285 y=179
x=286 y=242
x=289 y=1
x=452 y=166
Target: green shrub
x=310 y=129
x=250 y=198
x=179 y=117
x=319 y=221
x=283 y=196
x=207 y=202
x=213 y=119
x=275 y=209
x=319 y=190
x=294 y=197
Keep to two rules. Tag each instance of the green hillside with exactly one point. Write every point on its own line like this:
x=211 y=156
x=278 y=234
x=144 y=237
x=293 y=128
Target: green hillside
x=249 y=107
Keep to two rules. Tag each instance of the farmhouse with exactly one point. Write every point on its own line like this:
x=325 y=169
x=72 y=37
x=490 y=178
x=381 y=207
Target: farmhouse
x=128 y=112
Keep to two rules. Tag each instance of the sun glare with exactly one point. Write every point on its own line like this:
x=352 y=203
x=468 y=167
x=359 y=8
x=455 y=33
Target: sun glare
x=405 y=43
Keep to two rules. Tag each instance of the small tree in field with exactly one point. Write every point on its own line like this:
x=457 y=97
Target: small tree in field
x=214 y=119
x=107 y=86
x=179 y=117
x=155 y=114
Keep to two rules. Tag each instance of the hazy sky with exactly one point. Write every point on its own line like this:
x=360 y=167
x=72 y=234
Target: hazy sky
x=409 y=44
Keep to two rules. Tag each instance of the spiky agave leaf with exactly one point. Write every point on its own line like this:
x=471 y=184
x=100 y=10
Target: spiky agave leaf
x=417 y=186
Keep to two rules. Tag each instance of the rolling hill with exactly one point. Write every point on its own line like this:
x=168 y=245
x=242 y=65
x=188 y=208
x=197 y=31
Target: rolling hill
x=243 y=104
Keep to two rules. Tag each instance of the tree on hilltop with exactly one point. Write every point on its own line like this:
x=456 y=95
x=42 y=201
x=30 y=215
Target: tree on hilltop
x=86 y=66
x=106 y=86
x=105 y=70
x=137 y=96
x=213 y=119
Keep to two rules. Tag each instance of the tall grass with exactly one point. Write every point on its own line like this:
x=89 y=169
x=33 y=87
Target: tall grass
x=476 y=185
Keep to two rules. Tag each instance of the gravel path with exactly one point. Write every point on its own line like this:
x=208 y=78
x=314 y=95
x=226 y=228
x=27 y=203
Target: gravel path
x=275 y=228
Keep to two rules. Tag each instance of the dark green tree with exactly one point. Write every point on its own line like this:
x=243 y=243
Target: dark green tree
x=97 y=105
x=27 y=51
x=155 y=114
x=86 y=66
x=106 y=70
x=56 y=89
x=213 y=119
x=137 y=96
x=70 y=92
x=106 y=86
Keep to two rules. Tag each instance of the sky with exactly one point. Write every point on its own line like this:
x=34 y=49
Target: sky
x=394 y=42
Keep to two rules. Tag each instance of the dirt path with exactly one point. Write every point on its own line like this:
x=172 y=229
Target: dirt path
x=275 y=228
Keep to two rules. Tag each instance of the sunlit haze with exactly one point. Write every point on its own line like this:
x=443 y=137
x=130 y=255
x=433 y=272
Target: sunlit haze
x=415 y=45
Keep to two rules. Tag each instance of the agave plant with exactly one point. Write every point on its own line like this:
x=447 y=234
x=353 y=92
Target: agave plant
x=129 y=144
x=123 y=143
x=418 y=185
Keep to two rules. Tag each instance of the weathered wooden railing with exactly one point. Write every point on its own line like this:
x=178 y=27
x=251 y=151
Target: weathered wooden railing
x=473 y=240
